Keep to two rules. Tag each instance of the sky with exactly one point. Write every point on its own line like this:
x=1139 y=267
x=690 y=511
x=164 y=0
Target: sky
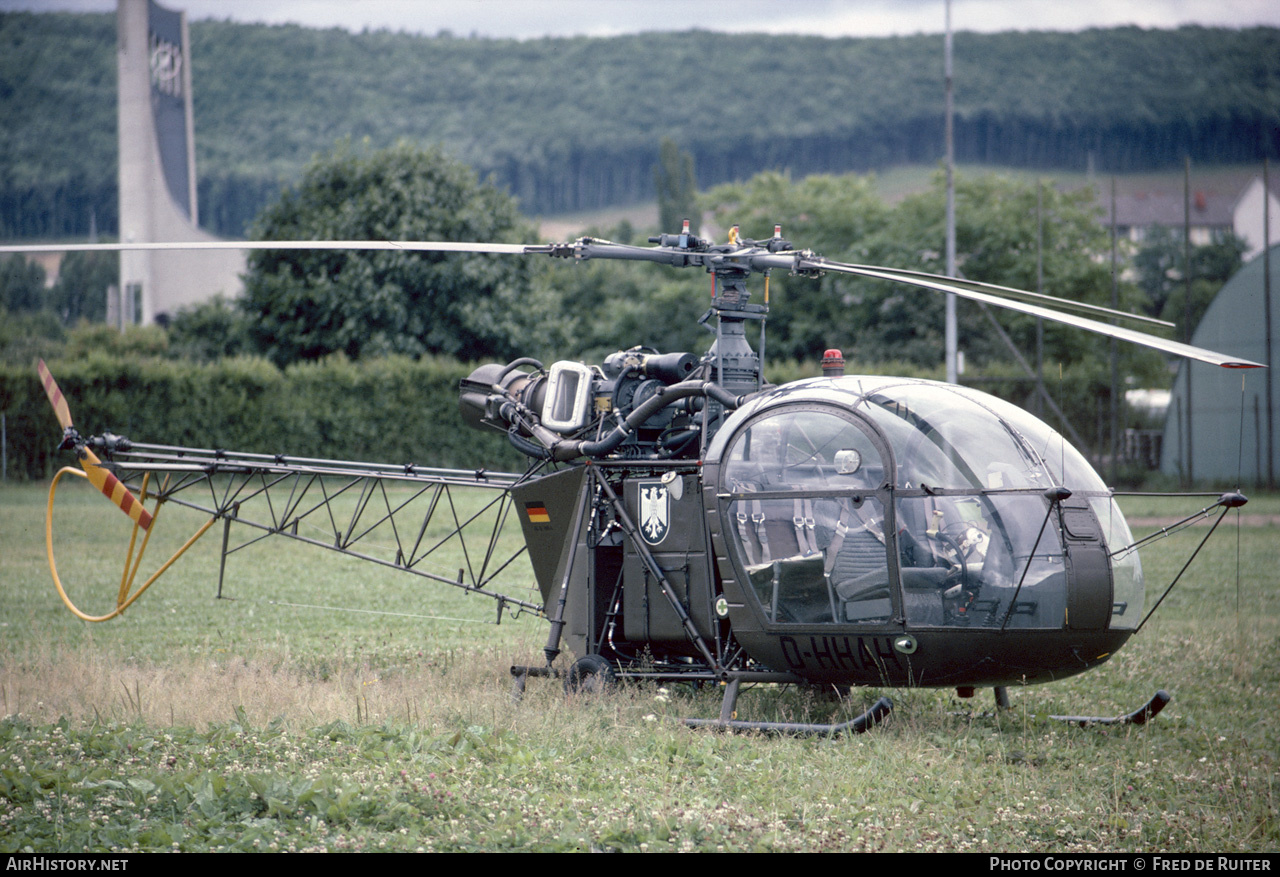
x=527 y=19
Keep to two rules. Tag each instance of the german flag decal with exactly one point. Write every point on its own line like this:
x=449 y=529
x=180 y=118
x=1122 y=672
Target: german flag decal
x=537 y=513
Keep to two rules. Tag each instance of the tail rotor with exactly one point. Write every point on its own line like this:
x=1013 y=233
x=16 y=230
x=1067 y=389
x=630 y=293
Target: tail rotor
x=106 y=482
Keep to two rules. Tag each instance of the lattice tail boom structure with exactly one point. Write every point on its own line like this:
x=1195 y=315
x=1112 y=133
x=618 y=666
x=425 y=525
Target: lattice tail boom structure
x=451 y=526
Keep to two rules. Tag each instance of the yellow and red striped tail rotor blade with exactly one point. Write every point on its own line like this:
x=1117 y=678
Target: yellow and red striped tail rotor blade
x=113 y=489
x=111 y=486
x=56 y=399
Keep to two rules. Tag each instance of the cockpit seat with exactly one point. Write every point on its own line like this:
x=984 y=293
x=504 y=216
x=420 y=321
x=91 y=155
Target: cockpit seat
x=859 y=577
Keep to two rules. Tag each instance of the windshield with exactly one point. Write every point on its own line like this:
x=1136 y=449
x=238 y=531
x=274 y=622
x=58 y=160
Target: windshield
x=944 y=438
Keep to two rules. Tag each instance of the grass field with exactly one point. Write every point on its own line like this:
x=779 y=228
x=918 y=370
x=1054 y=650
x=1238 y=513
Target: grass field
x=263 y=723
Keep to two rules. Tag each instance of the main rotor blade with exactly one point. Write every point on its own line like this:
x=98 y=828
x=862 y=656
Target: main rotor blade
x=1172 y=347
x=758 y=260
x=409 y=246
x=1023 y=295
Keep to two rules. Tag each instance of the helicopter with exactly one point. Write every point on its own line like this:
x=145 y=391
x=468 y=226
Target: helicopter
x=686 y=521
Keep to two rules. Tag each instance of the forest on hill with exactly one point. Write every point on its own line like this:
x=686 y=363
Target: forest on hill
x=575 y=124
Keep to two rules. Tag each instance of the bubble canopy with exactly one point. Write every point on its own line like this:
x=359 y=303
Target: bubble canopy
x=870 y=500
x=940 y=435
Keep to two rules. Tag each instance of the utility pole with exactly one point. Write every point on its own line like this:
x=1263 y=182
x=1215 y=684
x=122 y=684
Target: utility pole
x=1040 y=289
x=1186 y=329
x=952 y=344
x=1115 y=354
x=1266 y=310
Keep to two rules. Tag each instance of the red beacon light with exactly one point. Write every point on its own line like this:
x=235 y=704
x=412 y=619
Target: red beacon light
x=832 y=363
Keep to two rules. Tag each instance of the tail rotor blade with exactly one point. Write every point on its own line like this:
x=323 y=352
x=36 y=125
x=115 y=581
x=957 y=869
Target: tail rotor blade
x=56 y=399
x=113 y=489
x=105 y=481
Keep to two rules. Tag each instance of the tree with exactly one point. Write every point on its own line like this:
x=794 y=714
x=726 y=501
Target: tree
x=81 y=290
x=21 y=284
x=209 y=331
x=604 y=306
x=831 y=215
x=677 y=188
x=996 y=243
x=1161 y=263
x=305 y=305
x=841 y=217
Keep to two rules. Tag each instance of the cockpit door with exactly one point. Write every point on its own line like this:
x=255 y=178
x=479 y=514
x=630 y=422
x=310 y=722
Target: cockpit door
x=804 y=503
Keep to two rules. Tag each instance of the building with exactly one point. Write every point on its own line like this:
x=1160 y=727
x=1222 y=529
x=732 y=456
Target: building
x=1247 y=214
x=1223 y=428
x=1217 y=207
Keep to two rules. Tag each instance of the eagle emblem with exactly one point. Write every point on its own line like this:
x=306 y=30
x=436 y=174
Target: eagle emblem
x=655 y=511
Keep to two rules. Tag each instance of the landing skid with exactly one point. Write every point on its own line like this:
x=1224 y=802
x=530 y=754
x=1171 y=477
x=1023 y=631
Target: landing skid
x=1140 y=716
x=865 y=722
x=873 y=716
x=882 y=707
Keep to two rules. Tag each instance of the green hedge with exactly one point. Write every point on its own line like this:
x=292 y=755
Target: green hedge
x=392 y=410
x=385 y=410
